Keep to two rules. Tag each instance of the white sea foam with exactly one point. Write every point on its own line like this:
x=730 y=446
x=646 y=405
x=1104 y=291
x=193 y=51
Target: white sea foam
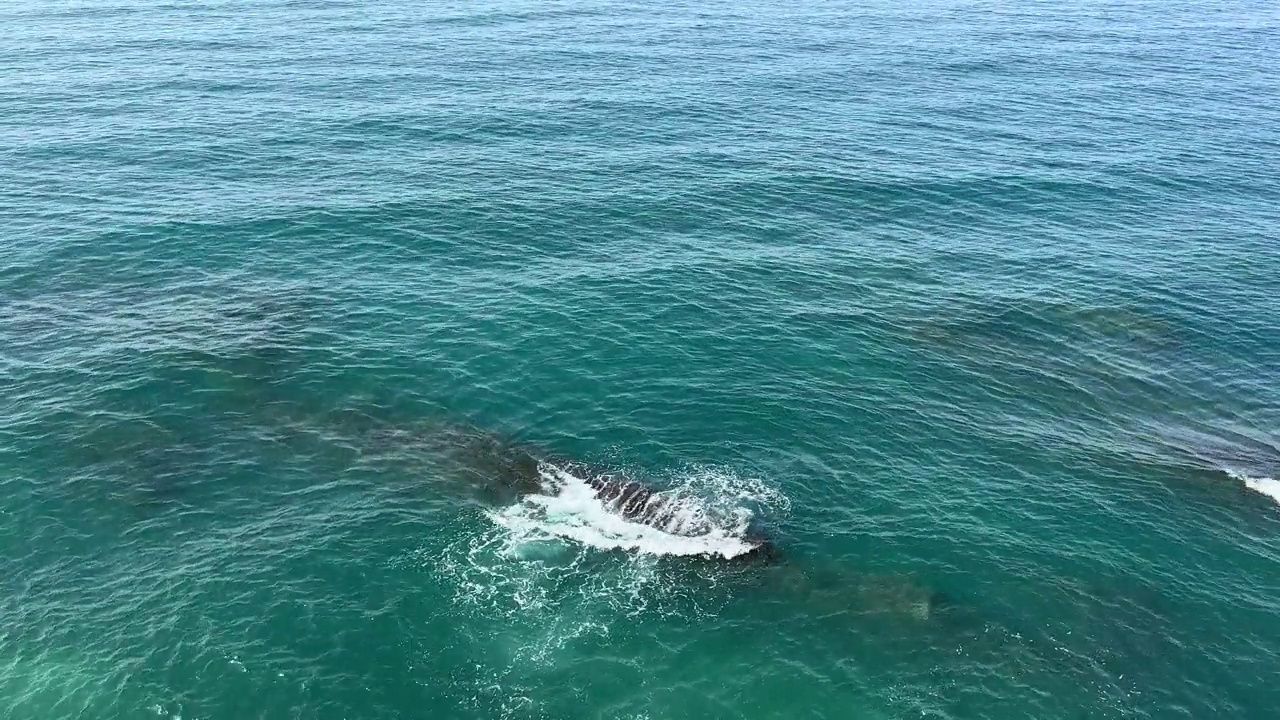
x=537 y=569
x=1265 y=485
x=694 y=522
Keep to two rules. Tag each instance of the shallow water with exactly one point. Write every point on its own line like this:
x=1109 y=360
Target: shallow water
x=971 y=307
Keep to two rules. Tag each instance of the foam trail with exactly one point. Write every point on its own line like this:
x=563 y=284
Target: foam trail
x=1265 y=485
x=572 y=508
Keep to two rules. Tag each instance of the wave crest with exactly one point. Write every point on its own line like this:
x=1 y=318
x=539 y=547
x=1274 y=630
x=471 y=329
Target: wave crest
x=705 y=512
x=1260 y=484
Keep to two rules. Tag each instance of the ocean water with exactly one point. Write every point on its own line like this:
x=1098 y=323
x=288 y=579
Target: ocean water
x=971 y=308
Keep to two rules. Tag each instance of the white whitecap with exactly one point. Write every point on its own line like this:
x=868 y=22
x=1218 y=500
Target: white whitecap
x=569 y=508
x=1265 y=485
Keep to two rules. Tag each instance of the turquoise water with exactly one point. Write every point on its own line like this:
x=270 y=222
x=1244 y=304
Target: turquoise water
x=970 y=307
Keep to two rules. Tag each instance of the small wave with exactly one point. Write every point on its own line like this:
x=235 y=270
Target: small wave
x=690 y=522
x=1265 y=485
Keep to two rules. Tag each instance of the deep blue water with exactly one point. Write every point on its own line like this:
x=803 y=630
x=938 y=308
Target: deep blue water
x=971 y=308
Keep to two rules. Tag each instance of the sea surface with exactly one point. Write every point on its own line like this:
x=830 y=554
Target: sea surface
x=972 y=309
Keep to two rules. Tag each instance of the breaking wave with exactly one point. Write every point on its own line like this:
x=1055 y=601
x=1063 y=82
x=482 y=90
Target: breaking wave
x=1265 y=485
x=705 y=512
